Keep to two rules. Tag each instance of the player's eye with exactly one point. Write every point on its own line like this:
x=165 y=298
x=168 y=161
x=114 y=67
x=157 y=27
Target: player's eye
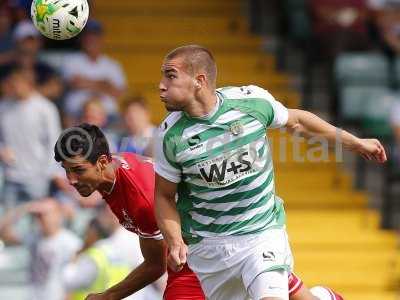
x=79 y=171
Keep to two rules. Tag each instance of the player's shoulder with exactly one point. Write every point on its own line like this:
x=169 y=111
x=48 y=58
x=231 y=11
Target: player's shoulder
x=244 y=92
x=134 y=162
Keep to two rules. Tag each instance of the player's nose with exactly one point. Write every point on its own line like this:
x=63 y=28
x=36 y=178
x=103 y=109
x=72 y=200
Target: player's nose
x=162 y=86
x=72 y=179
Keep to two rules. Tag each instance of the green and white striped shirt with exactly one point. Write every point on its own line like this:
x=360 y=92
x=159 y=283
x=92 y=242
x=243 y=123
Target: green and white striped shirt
x=223 y=165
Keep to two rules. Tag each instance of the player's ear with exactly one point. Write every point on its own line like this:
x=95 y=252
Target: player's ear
x=102 y=162
x=200 y=81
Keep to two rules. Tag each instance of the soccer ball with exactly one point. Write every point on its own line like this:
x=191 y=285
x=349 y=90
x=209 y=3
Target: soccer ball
x=59 y=19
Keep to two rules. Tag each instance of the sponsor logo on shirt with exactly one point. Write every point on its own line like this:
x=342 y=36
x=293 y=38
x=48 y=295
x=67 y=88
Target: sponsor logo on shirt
x=227 y=168
x=128 y=222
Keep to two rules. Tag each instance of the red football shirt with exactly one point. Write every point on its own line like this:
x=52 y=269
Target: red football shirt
x=132 y=197
x=132 y=201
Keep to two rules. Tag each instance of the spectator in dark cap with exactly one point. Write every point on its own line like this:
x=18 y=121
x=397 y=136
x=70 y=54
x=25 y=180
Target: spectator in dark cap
x=90 y=73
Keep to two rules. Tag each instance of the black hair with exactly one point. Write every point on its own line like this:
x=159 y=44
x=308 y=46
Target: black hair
x=84 y=140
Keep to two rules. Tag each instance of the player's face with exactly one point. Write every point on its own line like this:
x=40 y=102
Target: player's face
x=177 y=87
x=82 y=175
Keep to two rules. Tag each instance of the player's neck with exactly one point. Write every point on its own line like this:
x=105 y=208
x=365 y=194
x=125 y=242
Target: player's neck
x=109 y=177
x=203 y=106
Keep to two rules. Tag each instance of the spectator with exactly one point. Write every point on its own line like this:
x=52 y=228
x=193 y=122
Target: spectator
x=91 y=73
x=51 y=248
x=28 y=45
x=29 y=127
x=94 y=113
x=106 y=244
x=140 y=130
x=384 y=30
x=385 y=25
x=340 y=25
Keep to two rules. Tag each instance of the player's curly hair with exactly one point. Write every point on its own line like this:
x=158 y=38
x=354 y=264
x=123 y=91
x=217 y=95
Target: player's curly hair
x=84 y=140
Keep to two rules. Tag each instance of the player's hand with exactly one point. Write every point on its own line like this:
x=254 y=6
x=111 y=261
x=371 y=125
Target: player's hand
x=372 y=149
x=177 y=256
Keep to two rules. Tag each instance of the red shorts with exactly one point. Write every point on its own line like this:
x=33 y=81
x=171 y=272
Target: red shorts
x=295 y=284
x=183 y=285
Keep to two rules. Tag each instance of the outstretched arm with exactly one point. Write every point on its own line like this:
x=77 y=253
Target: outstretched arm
x=169 y=222
x=309 y=125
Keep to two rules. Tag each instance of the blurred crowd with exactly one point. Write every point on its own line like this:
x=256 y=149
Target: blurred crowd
x=347 y=53
x=74 y=244
x=327 y=30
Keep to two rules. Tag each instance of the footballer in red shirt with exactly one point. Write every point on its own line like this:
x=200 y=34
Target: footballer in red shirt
x=126 y=182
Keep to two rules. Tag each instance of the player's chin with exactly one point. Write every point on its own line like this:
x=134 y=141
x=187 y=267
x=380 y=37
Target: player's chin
x=171 y=108
x=85 y=191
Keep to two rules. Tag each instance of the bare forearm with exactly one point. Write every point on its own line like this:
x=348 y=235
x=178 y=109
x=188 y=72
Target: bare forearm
x=168 y=220
x=142 y=276
x=308 y=125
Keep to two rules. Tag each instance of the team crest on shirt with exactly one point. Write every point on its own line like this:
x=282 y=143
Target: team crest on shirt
x=128 y=222
x=236 y=128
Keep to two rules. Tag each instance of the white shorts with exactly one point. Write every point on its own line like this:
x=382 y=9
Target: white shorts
x=231 y=268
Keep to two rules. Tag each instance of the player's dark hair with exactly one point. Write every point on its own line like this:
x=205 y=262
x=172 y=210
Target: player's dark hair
x=196 y=58
x=83 y=140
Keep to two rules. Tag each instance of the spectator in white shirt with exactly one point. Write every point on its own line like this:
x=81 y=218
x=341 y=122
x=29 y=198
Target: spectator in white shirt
x=51 y=247
x=119 y=246
x=92 y=73
x=29 y=127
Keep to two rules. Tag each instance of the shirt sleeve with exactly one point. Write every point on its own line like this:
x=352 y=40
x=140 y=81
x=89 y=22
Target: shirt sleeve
x=147 y=225
x=163 y=165
x=275 y=111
